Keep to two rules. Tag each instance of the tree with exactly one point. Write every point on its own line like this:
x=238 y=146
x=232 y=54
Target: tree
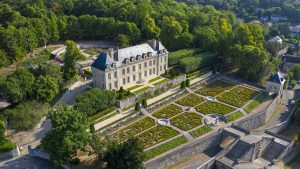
x=26 y=115
x=296 y=72
x=71 y=56
x=187 y=82
x=92 y=128
x=19 y=86
x=144 y=103
x=182 y=85
x=67 y=135
x=99 y=146
x=45 y=88
x=95 y=100
x=297 y=113
x=137 y=106
x=3 y=58
x=123 y=41
x=2 y=131
x=126 y=155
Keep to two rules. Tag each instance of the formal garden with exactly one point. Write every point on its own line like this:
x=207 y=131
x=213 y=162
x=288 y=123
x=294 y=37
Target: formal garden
x=190 y=100
x=215 y=88
x=168 y=111
x=214 y=108
x=187 y=121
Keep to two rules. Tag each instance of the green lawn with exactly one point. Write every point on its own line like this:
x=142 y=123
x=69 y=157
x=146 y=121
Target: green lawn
x=256 y=102
x=187 y=121
x=214 y=107
x=154 y=79
x=201 y=131
x=190 y=100
x=160 y=82
x=134 y=87
x=142 y=89
x=101 y=114
x=105 y=117
x=165 y=147
x=168 y=111
x=234 y=116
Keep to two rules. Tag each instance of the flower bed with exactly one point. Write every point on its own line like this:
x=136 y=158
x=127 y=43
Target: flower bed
x=190 y=100
x=165 y=147
x=135 y=128
x=214 y=107
x=234 y=116
x=168 y=111
x=238 y=96
x=156 y=135
x=187 y=121
x=215 y=88
x=201 y=131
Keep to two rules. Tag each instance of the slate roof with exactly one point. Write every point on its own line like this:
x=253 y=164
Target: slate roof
x=102 y=60
x=277 y=78
x=133 y=51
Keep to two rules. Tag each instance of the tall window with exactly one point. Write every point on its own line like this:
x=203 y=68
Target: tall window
x=154 y=62
x=150 y=63
x=140 y=66
x=145 y=73
x=128 y=70
x=116 y=84
x=133 y=68
x=133 y=77
x=109 y=76
x=165 y=67
x=145 y=64
x=150 y=72
x=160 y=68
x=115 y=74
x=123 y=71
x=153 y=70
x=128 y=79
x=124 y=81
x=109 y=85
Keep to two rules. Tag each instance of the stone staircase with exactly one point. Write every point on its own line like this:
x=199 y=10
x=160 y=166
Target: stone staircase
x=237 y=152
x=273 y=151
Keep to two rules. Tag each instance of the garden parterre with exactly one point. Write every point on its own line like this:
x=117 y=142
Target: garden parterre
x=156 y=135
x=187 y=121
x=190 y=100
x=238 y=96
x=168 y=111
x=214 y=107
x=215 y=88
x=135 y=128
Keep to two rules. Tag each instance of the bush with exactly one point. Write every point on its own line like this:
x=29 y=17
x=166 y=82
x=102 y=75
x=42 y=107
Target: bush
x=92 y=128
x=175 y=57
x=8 y=145
x=137 y=106
x=182 y=85
x=102 y=113
x=144 y=103
x=196 y=62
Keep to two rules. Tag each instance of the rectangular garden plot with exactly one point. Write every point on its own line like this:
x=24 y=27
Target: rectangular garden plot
x=200 y=131
x=234 y=116
x=156 y=135
x=168 y=111
x=238 y=96
x=187 y=121
x=135 y=128
x=190 y=100
x=215 y=88
x=214 y=108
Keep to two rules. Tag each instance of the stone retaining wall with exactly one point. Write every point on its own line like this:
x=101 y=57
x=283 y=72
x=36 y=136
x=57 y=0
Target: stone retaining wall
x=162 y=87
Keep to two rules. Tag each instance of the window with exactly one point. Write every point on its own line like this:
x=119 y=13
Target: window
x=109 y=85
x=145 y=73
x=109 y=76
x=116 y=84
x=133 y=77
x=133 y=68
x=150 y=63
x=115 y=74
x=150 y=72
x=165 y=67
x=165 y=59
x=124 y=81
x=153 y=62
x=145 y=64
x=161 y=59
x=140 y=66
x=128 y=79
x=123 y=71
x=160 y=68
x=153 y=70
x=128 y=70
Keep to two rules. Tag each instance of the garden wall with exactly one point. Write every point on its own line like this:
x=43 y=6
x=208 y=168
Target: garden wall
x=183 y=152
x=128 y=102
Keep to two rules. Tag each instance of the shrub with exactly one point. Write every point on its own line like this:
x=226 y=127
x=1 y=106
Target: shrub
x=196 y=62
x=144 y=103
x=187 y=121
x=187 y=83
x=168 y=111
x=175 y=57
x=6 y=146
x=92 y=128
x=102 y=113
x=137 y=106
x=182 y=85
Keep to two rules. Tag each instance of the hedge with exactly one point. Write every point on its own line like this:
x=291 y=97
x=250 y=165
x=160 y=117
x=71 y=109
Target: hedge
x=175 y=57
x=196 y=62
x=101 y=114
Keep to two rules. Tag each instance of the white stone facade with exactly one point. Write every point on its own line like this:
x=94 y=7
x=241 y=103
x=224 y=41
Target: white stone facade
x=130 y=66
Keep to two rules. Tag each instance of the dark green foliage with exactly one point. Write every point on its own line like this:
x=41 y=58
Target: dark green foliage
x=95 y=100
x=187 y=83
x=198 y=61
x=126 y=155
x=71 y=56
x=2 y=131
x=296 y=72
x=45 y=88
x=92 y=128
x=182 y=85
x=67 y=135
x=137 y=106
x=144 y=103
x=27 y=115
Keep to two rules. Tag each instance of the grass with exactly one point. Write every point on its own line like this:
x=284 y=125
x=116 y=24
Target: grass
x=187 y=121
x=256 y=102
x=156 y=135
x=165 y=147
x=190 y=100
x=198 y=72
x=134 y=128
x=160 y=82
x=134 y=87
x=7 y=146
x=234 y=116
x=105 y=117
x=168 y=111
x=154 y=79
x=215 y=88
x=102 y=113
x=214 y=107
x=201 y=131
x=142 y=89
x=92 y=51
x=238 y=96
